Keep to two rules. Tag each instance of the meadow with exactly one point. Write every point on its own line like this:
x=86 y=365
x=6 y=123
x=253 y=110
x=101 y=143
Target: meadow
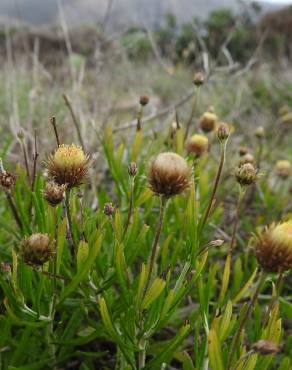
x=146 y=216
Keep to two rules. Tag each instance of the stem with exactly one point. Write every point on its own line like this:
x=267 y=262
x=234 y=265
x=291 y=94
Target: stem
x=74 y=118
x=152 y=261
x=142 y=353
x=217 y=180
x=193 y=111
x=236 y=221
x=14 y=211
x=244 y=318
x=23 y=147
x=35 y=158
x=53 y=122
x=130 y=211
x=69 y=218
x=139 y=118
x=274 y=298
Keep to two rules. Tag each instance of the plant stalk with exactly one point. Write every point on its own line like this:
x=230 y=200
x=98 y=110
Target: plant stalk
x=14 y=210
x=193 y=111
x=131 y=206
x=70 y=225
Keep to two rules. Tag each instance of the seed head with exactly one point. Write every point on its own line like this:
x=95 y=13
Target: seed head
x=197 y=144
x=7 y=180
x=37 y=249
x=260 y=132
x=265 y=347
x=283 y=169
x=273 y=247
x=208 y=121
x=245 y=174
x=223 y=131
x=54 y=193
x=168 y=174
x=243 y=150
x=144 y=100
x=247 y=158
x=199 y=79
x=132 y=169
x=109 y=209
x=68 y=165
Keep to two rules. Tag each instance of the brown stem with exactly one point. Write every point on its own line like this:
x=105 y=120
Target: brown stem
x=139 y=118
x=163 y=201
x=244 y=318
x=35 y=158
x=53 y=123
x=274 y=298
x=14 y=211
x=23 y=147
x=130 y=211
x=217 y=180
x=193 y=111
x=74 y=118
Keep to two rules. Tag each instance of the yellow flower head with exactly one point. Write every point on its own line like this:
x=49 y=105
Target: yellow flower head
x=208 y=121
x=283 y=168
x=197 y=144
x=69 y=156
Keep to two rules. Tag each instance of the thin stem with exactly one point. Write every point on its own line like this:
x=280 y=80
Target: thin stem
x=245 y=318
x=142 y=353
x=53 y=123
x=236 y=220
x=35 y=158
x=217 y=180
x=139 y=118
x=69 y=219
x=274 y=298
x=74 y=118
x=23 y=147
x=131 y=205
x=193 y=111
x=14 y=211
x=153 y=256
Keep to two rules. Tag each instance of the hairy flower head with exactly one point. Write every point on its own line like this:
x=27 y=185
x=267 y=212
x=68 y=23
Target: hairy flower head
x=37 y=249
x=208 y=121
x=197 y=144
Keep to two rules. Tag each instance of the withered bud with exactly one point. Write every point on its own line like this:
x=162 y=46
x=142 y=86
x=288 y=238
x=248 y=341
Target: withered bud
x=7 y=180
x=243 y=150
x=54 y=193
x=283 y=169
x=197 y=144
x=247 y=158
x=260 y=132
x=223 y=131
x=273 y=247
x=265 y=347
x=144 y=100
x=109 y=209
x=37 y=249
x=246 y=174
x=208 y=121
x=199 y=79
x=169 y=174
x=132 y=169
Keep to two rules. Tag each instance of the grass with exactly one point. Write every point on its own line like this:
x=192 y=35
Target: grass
x=98 y=307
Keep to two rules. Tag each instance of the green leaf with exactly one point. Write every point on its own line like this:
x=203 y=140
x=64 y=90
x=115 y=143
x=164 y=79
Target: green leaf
x=214 y=349
x=153 y=292
x=82 y=254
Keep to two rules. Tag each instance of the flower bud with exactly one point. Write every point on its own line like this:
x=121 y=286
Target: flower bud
x=246 y=174
x=273 y=248
x=109 y=209
x=144 y=100
x=37 y=249
x=283 y=169
x=197 y=144
x=199 y=79
x=265 y=347
x=208 y=121
x=223 y=131
x=54 y=193
x=243 y=150
x=260 y=132
x=168 y=174
x=247 y=158
x=68 y=165
x=132 y=169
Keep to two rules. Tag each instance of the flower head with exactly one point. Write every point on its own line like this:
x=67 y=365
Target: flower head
x=197 y=144
x=37 y=249
x=208 y=121
x=283 y=169
x=54 y=193
x=168 y=174
x=246 y=174
x=273 y=247
x=7 y=180
x=68 y=165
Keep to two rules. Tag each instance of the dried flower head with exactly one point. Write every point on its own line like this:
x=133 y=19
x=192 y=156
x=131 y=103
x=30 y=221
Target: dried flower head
x=273 y=248
x=37 y=249
x=283 y=169
x=199 y=78
x=68 y=165
x=260 y=132
x=54 y=193
x=223 y=131
x=243 y=150
x=286 y=119
x=144 y=100
x=208 y=121
x=197 y=144
x=168 y=174
x=109 y=209
x=7 y=180
x=265 y=347
x=247 y=158
x=246 y=174
x=132 y=169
